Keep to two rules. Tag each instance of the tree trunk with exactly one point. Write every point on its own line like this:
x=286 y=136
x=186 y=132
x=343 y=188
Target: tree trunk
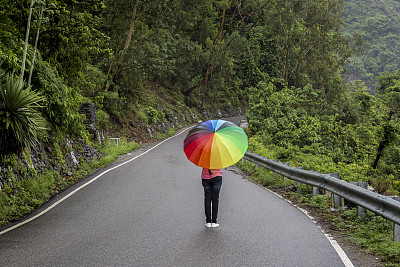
x=36 y=42
x=378 y=154
x=221 y=26
x=382 y=144
x=21 y=77
x=127 y=43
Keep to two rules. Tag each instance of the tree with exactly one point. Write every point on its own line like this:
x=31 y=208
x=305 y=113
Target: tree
x=143 y=14
x=73 y=37
x=28 y=27
x=42 y=10
x=309 y=44
x=127 y=43
x=389 y=91
x=236 y=18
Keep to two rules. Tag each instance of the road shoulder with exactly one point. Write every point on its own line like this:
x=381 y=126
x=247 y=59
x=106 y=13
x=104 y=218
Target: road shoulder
x=358 y=257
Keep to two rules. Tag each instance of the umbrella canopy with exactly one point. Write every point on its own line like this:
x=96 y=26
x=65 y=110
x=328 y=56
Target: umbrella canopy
x=215 y=144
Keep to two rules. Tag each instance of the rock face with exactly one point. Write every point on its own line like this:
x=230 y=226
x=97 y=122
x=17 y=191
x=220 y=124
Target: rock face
x=42 y=158
x=89 y=110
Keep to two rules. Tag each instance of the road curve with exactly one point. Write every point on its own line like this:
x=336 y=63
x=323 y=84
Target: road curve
x=149 y=212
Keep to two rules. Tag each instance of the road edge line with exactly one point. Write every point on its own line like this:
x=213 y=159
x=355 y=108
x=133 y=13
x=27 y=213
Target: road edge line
x=341 y=253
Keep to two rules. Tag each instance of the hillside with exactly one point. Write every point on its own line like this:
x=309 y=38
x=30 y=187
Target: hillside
x=378 y=22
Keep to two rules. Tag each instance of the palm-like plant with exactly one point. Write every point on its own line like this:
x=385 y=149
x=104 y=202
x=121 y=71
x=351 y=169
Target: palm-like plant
x=20 y=122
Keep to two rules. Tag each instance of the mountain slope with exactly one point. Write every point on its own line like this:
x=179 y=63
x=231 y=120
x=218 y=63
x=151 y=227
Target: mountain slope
x=378 y=21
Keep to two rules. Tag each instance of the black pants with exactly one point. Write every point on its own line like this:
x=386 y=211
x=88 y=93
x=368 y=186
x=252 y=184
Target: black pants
x=211 y=197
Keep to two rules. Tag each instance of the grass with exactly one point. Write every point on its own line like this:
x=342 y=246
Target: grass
x=21 y=197
x=372 y=233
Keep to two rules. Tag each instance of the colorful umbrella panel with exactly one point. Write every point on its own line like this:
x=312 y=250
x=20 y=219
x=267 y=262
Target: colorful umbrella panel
x=215 y=144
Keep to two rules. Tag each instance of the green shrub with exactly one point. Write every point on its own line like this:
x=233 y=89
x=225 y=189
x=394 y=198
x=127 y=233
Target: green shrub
x=19 y=198
x=151 y=114
x=141 y=114
x=111 y=102
x=42 y=187
x=169 y=114
x=20 y=120
x=102 y=119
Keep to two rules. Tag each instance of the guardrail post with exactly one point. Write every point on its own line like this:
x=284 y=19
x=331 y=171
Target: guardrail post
x=396 y=227
x=361 y=210
x=396 y=233
x=315 y=191
x=287 y=164
x=337 y=200
x=274 y=173
x=298 y=183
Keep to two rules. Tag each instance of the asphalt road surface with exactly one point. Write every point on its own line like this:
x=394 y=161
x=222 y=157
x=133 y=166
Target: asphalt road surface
x=149 y=212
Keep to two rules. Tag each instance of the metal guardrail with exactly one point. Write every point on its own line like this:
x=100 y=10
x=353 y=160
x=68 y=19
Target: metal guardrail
x=382 y=205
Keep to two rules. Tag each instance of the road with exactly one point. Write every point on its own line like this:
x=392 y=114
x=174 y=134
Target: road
x=149 y=212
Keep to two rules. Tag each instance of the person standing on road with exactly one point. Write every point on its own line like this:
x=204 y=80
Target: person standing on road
x=211 y=181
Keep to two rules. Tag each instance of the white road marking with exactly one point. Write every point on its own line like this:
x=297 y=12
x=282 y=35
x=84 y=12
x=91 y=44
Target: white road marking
x=82 y=186
x=343 y=256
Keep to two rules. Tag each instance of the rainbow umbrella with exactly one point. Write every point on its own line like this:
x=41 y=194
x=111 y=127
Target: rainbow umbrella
x=215 y=144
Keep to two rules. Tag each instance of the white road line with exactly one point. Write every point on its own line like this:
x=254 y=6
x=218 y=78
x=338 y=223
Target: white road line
x=82 y=186
x=343 y=256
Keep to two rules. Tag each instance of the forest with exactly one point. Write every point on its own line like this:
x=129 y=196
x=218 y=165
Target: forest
x=378 y=24
x=284 y=63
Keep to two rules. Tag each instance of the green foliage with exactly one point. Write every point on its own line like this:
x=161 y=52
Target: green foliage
x=111 y=102
x=372 y=233
x=62 y=102
x=378 y=24
x=20 y=120
x=19 y=198
x=389 y=82
x=72 y=37
x=169 y=114
x=309 y=45
x=9 y=56
x=91 y=83
x=40 y=188
x=357 y=132
x=287 y=115
x=262 y=176
x=151 y=114
x=111 y=152
x=102 y=119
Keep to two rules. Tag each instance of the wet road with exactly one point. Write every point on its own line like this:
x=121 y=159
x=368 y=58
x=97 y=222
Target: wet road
x=149 y=212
